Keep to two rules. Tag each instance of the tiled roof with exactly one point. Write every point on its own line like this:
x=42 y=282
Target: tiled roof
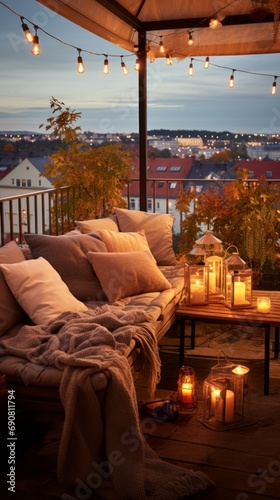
x=261 y=168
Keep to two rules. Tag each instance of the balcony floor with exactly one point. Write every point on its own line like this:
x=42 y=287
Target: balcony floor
x=243 y=462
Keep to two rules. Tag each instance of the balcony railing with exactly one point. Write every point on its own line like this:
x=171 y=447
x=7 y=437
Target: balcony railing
x=51 y=211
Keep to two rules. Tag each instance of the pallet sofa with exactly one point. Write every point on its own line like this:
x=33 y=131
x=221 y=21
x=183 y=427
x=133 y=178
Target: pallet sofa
x=124 y=262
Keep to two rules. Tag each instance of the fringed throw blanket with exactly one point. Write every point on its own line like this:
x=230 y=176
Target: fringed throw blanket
x=102 y=449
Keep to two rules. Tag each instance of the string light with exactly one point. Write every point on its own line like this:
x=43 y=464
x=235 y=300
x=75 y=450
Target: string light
x=168 y=59
x=106 y=68
x=36 y=49
x=124 y=68
x=137 y=65
x=231 y=80
x=273 y=88
x=28 y=35
x=161 y=46
x=206 y=63
x=190 y=40
x=80 y=65
x=215 y=23
x=190 y=72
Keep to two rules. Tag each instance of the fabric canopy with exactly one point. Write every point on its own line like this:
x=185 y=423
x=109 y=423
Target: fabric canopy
x=244 y=29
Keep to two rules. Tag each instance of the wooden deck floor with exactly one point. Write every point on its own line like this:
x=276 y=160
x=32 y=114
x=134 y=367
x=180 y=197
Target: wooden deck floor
x=244 y=462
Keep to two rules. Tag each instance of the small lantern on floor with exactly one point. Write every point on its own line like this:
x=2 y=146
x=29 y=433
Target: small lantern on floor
x=226 y=397
x=187 y=388
x=237 y=282
x=196 y=284
x=214 y=252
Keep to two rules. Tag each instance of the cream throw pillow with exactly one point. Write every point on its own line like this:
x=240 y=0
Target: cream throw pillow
x=39 y=290
x=158 y=231
x=124 y=242
x=127 y=273
x=91 y=225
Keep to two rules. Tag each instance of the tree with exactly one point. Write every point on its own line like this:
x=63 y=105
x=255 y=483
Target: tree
x=244 y=213
x=99 y=174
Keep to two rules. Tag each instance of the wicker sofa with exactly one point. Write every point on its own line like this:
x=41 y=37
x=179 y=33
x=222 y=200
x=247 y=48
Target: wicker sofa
x=125 y=261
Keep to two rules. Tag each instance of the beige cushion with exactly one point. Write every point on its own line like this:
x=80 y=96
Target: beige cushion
x=68 y=257
x=10 y=311
x=39 y=290
x=127 y=273
x=89 y=226
x=124 y=242
x=158 y=231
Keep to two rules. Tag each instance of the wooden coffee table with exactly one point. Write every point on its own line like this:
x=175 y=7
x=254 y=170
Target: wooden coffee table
x=218 y=313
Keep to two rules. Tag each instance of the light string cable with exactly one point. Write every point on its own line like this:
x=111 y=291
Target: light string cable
x=36 y=27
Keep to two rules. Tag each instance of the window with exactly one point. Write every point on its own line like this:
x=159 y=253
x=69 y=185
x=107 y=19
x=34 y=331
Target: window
x=27 y=168
x=252 y=173
x=40 y=182
x=268 y=174
x=29 y=183
x=18 y=183
x=161 y=168
x=160 y=184
x=150 y=205
x=172 y=185
x=23 y=183
x=175 y=168
x=13 y=181
x=132 y=203
x=158 y=205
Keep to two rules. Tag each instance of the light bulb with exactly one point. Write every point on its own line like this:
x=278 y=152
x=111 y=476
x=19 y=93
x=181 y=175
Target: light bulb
x=190 y=40
x=124 y=68
x=168 y=60
x=190 y=71
x=231 y=81
x=137 y=65
x=80 y=65
x=161 y=47
x=273 y=88
x=106 y=68
x=206 y=63
x=36 y=49
x=28 y=35
x=215 y=23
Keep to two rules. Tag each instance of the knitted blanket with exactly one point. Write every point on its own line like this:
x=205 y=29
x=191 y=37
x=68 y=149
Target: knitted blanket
x=103 y=449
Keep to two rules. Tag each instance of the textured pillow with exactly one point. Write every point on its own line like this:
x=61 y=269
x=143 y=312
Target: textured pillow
x=124 y=242
x=68 y=257
x=10 y=311
x=89 y=226
x=158 y=231
x=39 y=290
x=127 y=273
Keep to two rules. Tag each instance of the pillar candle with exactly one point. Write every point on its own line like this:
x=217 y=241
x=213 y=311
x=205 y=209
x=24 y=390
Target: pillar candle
x=239 y=293
x=197 y=294
x=187 y=389
x=229 y=407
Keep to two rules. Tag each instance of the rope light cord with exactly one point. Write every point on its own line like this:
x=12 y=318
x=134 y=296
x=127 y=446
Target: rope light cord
x=136 y=66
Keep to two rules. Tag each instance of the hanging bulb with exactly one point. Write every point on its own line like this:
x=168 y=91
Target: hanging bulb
x=36 y=49
x=137 y=65
x=215 y=23
x=190 y=72
x=273 y=88
x=28 y=35
x=161 y=46
x=168 y=60
x=80 y=65
x=206 y=63
x=106 y=68
x=190 y=40
x=124 y=68
x=231 y=80
x=135 y=48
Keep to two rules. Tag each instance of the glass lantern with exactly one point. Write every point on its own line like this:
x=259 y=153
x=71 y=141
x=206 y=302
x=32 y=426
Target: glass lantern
x=237 y=283
x=214 y=252
x=196 y=284
x=187 y=388
x=226 y=397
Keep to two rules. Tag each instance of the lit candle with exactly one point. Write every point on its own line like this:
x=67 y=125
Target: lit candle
x=187 y=390
x=263 y=304
x=240 y=370
x=215 y=398
x=228 y=403
x=212 y=282
x=197 y=293
x=239 y=293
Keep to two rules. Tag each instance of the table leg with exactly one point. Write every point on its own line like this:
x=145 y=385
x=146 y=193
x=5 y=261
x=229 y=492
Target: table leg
x=266 y=359
x=182 y=341
x=276 y=342
x=192 y=333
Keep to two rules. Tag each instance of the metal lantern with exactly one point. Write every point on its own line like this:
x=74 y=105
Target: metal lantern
x=226 y=397
x=196 y=284
x=214 y=252
x=187 y=388
x=237 y=283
